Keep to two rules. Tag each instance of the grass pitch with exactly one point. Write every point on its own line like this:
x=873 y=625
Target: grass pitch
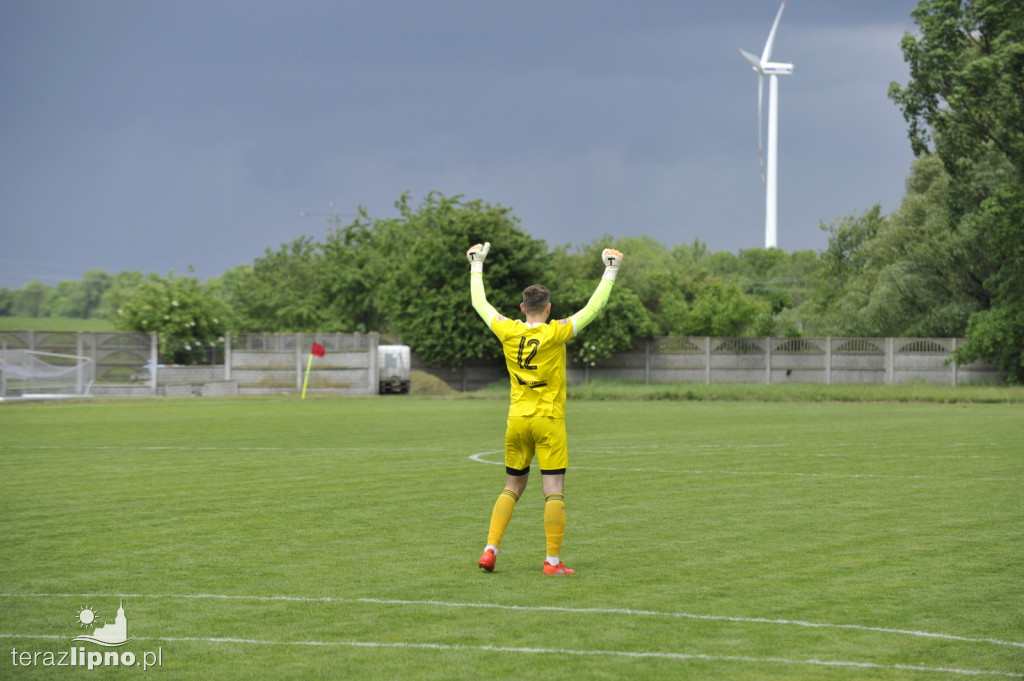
x=55 y=324
x=338 y=538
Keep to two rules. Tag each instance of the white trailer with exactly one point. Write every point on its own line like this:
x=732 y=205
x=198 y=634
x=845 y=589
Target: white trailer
x=393 y=362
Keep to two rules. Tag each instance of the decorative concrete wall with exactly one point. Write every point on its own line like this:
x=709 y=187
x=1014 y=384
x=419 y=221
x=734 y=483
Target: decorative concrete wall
x=762 y=360
x=263 y=363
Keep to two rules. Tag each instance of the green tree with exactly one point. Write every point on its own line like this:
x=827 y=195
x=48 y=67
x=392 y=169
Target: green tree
x=649 y=272
x=656 y=276
x=649 y=268
x=927 y=279
x=688 y=255
x=843 y=283
x=187 y=318
x=78 y=299
x=425 y=286
x=907 y=274
x=778 y=277
x=63 y=300
x=965 y=102
x=6 y=301
x=354 y=267
x=30 y=299
x=997 y=333
x=623 y=321
x=719 y=308
x=311 y=286
x=119 y=286
x=282 y=291
x=966 y=90
x=687 y=291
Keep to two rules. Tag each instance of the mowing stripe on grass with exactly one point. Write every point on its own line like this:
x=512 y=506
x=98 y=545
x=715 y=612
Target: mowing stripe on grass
x=478 y=457
x=533 y=608
x=683 y=657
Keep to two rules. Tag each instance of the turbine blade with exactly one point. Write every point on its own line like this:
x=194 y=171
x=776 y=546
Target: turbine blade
x=767 y=54
x=760 y=126
x=754 y=61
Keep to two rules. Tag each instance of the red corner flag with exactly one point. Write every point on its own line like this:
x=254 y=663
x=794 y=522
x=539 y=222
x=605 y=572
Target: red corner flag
x=317 y=350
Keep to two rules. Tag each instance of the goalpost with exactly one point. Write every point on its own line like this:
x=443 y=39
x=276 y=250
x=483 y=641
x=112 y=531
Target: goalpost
x=30 y=374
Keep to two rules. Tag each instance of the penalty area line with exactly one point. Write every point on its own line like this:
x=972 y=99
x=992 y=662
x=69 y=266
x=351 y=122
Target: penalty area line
x=479 y=458
x=531 y=608
x=450 y=647
x=210 y=448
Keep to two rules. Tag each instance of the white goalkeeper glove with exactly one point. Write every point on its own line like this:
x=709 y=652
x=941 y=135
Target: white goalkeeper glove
x=476 y=255
x=612 y=260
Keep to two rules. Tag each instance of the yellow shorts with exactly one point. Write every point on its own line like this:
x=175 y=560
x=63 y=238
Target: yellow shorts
x=541 y=435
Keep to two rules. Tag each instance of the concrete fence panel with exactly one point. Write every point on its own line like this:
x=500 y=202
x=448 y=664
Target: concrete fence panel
x=255 y=363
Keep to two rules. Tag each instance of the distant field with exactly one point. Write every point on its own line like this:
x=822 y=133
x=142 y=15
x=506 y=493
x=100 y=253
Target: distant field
x=54 y=324
x=791 y=392
x=338 y=538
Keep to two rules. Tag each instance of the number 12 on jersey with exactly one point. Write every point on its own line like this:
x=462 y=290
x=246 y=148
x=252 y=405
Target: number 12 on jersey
x=534 y=345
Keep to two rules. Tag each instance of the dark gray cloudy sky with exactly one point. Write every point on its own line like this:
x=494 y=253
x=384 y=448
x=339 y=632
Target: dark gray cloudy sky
x=157 y=135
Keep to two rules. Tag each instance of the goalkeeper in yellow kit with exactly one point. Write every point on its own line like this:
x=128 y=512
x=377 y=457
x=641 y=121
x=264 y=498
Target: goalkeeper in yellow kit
x=535 y=356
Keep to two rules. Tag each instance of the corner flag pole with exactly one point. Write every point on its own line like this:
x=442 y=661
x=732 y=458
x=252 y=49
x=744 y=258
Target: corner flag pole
x=305 y=381
x=317 y=350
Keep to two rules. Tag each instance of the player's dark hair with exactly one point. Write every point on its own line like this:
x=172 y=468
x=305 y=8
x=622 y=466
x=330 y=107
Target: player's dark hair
x=536 y=298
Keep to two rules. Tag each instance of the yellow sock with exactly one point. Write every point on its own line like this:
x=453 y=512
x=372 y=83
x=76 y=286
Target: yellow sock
x=501 y=516
x=554 y=522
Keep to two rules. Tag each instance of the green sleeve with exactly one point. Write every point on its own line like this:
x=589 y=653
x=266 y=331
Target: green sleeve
x=594 y=306
x=480 y=304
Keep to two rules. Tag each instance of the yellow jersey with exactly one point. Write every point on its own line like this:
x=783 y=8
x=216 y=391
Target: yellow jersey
x=535 y=353
x=535 y=357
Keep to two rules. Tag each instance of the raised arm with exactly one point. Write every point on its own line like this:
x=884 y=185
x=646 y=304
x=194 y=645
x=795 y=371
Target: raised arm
x=612 y=261
x=476 y=255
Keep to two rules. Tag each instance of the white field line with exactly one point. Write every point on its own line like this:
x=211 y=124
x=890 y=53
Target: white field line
x=160 y=448
x=892 y=445
x=530 y=608
x=813 y=449
x=831 y=450
x=562 y=652
x=775 y=449
x=715 y=448
x=479 y=457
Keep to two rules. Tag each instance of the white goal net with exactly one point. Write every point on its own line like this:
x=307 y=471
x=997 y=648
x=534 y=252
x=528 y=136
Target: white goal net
x=32 y=374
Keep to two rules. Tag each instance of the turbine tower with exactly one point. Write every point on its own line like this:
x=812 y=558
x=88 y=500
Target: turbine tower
x=773 y=70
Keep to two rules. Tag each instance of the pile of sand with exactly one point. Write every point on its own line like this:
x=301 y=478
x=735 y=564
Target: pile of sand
x=422 y=383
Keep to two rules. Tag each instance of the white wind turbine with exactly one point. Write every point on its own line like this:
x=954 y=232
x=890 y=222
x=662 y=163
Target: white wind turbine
x=773 y=70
